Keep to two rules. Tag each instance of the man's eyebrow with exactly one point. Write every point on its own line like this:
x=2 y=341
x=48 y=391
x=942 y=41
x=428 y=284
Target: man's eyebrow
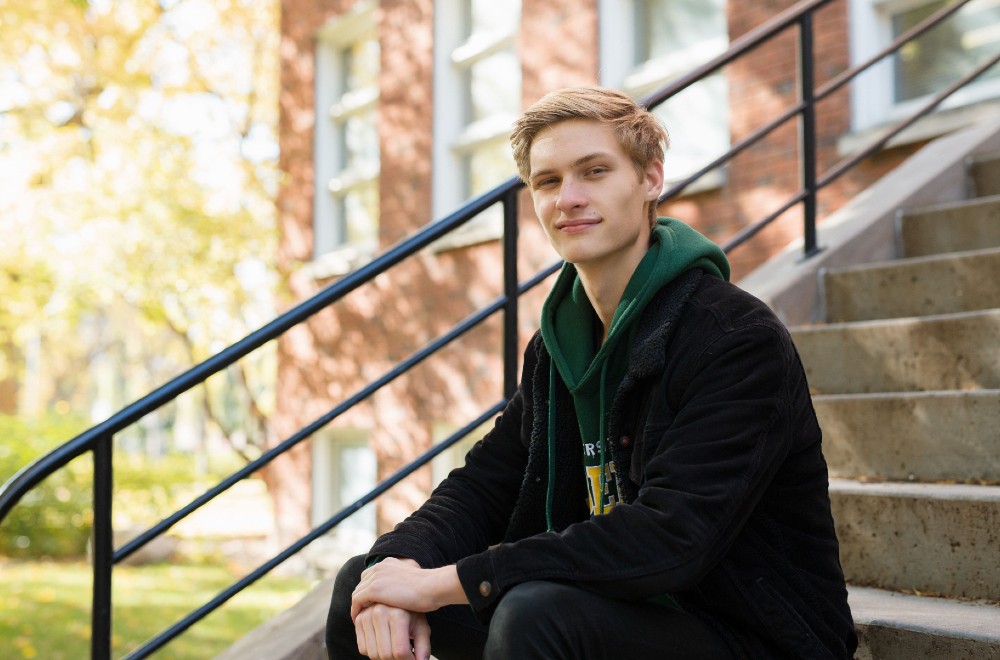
x=576 y=163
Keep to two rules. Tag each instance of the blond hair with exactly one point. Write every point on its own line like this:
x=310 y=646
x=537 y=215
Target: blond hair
x=639 y=132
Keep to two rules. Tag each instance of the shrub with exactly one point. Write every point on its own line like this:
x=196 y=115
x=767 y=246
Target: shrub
x=55 y=519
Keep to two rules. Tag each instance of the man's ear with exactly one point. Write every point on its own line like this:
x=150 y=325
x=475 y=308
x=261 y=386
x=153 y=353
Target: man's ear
x=652 y=180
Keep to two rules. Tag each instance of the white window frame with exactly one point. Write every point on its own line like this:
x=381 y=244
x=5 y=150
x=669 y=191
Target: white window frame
x=327 y=453
x=453 y=138
x=332 y=254
x=872 y=102
x=619 y=69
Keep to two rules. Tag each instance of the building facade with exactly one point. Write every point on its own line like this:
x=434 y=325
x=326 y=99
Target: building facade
x=395 y=112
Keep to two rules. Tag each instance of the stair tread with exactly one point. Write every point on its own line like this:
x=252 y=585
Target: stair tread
x=985 y=200
x=917 y=490
x=922 y=394
x=900 y=321
x=941 y=616
x=907 y=262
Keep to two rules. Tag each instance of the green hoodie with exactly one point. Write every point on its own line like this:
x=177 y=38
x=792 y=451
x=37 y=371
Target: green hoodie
x=593 y=371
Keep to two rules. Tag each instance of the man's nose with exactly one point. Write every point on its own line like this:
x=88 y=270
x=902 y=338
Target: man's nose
x=571 y=195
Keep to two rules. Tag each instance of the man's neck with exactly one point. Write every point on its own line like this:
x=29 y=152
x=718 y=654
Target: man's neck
x=604 y=288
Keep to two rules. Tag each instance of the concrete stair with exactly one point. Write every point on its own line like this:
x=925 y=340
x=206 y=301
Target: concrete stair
x=906 y=382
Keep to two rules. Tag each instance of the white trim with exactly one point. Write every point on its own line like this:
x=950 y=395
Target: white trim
x=449 y=110
x=350 y=26
x=340 y=261
x=479 y=46
x=489 y=129
x=930 y=127
x=333 y=106
x=353 y=178
x=359 y=531
x=455 y=52
x=355 y=102
x=872 y=98
x=656 y=72
x=616 y=26
x=620 y=69
x=325 y=161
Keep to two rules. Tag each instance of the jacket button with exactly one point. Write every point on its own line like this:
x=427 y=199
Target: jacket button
x=485 y=589
x=625 y=441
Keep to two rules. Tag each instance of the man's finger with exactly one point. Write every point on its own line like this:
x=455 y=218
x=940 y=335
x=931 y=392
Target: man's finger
x=420 y=631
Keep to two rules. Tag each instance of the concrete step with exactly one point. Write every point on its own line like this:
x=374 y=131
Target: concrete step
x=944 y=352
x=984 y=171
x=295 y=634
x=923 y=436
x=936 y=539
x=953 y=227
x=895 y=626
x=937 y=284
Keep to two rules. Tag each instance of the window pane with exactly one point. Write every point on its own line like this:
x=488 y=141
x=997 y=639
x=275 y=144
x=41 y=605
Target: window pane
x=358 y=153
x=495 y=85
x=361 y=141
x=489 y=166
x=358 y=475
x=495 y=16
x=947 y=52
x=361 y=64
x=697 y=122
x=360 y=214
x=671 y=26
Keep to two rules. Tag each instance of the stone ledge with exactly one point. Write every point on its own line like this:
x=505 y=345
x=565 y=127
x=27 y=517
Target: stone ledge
x=295 y=634
x=894 y=625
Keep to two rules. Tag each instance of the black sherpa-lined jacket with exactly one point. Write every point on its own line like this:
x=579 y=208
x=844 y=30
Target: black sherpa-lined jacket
x=721 y=473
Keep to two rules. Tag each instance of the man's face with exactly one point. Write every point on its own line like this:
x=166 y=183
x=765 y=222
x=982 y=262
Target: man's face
x=588 y=196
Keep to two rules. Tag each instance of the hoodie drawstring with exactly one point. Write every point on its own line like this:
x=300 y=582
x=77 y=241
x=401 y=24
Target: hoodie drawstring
x=550 y=486
x=600 y=436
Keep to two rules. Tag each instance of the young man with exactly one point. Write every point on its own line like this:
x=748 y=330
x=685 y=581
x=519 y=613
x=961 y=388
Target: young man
x=656 y=488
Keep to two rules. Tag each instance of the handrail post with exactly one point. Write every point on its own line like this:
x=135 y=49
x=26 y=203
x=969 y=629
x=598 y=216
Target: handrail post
x=103 y=552
x=807 y=133
x=510 y=292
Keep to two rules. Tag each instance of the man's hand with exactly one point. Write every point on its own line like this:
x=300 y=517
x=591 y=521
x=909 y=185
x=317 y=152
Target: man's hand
x=401 y=583
x=390 y=633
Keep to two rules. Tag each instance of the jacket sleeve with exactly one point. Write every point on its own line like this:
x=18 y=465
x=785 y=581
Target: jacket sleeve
x=470 y=509
x=715 y=438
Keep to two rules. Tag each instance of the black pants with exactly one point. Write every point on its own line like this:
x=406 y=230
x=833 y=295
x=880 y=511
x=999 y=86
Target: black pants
x=543 y=620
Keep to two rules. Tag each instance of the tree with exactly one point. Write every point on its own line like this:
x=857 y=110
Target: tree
x=138 y=154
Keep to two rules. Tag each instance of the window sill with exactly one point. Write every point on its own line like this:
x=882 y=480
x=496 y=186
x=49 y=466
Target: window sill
x=932 y=126
x=469 y=235
x=339 y=262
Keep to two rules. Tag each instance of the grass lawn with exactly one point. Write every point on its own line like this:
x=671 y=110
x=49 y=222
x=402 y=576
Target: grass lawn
x=45 y=608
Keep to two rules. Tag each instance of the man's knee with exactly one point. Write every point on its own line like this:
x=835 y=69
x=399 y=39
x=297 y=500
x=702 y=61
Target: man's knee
x=339 y=628
x=522 y=625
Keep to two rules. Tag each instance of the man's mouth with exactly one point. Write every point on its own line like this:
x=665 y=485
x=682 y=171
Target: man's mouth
x=576 y=225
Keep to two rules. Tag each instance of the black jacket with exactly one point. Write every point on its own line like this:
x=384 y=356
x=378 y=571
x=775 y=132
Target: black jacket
x=726 y=491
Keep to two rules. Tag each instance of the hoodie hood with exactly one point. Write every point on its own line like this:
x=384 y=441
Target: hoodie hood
x=572 y=332
x=570 y=327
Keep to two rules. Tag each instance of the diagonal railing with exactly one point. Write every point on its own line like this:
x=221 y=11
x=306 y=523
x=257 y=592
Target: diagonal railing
x=99 y=439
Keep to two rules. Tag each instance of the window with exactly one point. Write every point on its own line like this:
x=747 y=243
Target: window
x=344 y=469
x=347 y=141
x=670 y=38
x=900 y=84
x=477 y=97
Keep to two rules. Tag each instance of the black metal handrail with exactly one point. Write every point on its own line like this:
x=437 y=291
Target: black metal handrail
x=99 y=438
